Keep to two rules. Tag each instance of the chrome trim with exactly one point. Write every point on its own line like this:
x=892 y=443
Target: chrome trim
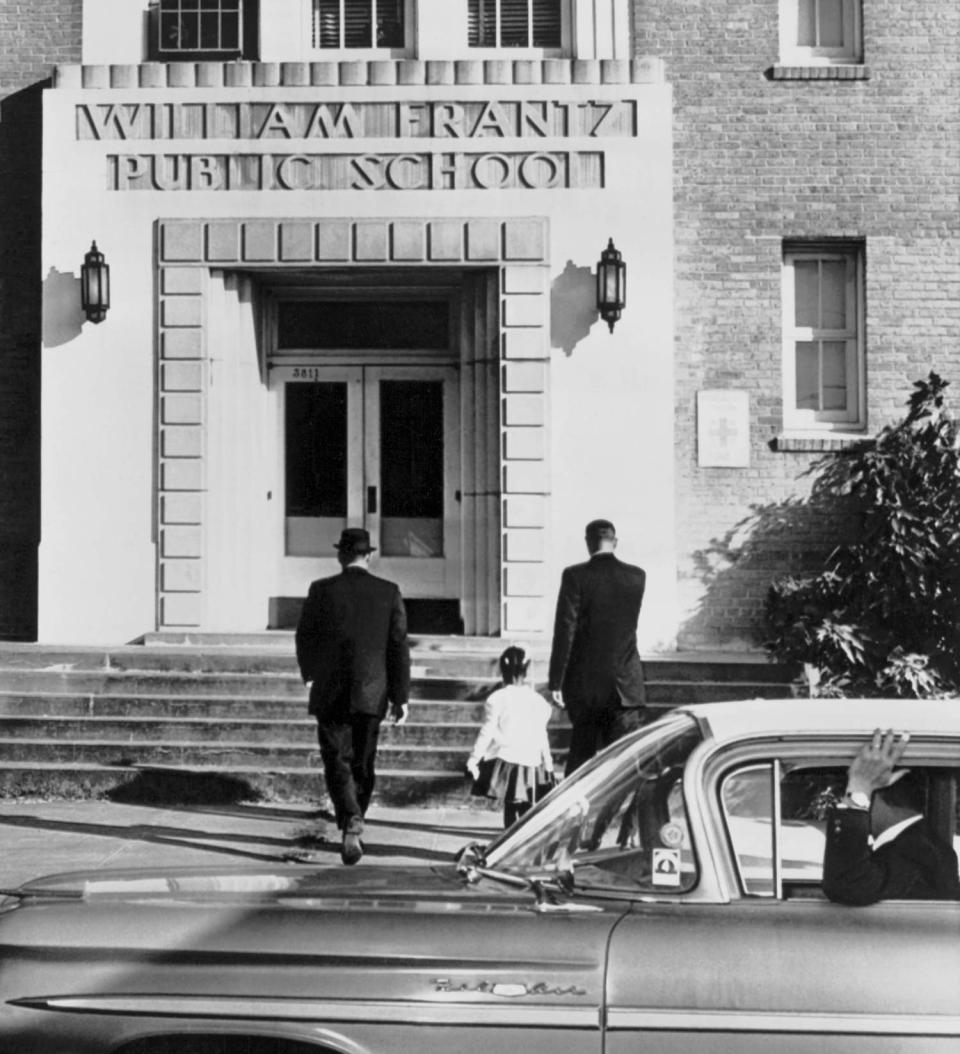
x=436 y=1012
x=693 y=1020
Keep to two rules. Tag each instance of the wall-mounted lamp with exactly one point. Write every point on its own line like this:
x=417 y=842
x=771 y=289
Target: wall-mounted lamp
x=95 y=285
x=611 y=285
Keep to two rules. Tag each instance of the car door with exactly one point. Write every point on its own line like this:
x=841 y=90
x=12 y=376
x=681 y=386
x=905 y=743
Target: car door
x=779 y=964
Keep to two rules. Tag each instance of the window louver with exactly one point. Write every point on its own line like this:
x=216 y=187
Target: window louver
x=547 y=28
x=350 y=23
x=514 y=23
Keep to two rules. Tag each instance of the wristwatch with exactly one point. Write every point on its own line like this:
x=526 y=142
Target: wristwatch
x=856 y=800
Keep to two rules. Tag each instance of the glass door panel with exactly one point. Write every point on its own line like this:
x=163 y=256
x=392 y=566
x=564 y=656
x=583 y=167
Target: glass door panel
x=411 y=468
x=412 y=472
x=323 y=463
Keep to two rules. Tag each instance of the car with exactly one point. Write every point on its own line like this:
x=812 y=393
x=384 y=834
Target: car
x=664 y=899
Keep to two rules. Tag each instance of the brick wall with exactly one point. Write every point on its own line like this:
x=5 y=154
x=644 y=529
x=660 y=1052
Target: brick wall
x=758 y=160
x=35 y=38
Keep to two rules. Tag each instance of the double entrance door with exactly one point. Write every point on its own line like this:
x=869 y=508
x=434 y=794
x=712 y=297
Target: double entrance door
x=374 y=446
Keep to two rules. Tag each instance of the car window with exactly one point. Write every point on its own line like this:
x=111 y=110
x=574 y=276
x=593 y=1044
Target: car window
x=620 y=822
x=786 y=857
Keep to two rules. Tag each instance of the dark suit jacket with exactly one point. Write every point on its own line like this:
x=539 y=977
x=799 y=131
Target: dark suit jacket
x=352 y=644
x=594 y=654
x=915 y=865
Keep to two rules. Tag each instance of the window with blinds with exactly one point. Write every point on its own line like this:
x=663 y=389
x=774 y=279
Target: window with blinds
x=515 y=24
x=358 y=24
x=197 y=27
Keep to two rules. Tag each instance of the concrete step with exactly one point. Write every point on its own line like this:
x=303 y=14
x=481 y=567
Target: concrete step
x=171 y=730
x=224 y=754
x=219 y=707
x=212 y=717
x=211 y=783
x=467 y=657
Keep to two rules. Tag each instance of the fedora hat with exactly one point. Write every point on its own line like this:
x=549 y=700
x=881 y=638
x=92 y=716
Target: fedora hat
x=355 y=540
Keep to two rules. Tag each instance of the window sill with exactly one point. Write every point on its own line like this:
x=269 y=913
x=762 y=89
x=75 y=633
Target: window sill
x=851 y=72
x=787 y=443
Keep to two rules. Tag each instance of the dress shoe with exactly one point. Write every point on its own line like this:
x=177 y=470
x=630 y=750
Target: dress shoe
x=351 y=851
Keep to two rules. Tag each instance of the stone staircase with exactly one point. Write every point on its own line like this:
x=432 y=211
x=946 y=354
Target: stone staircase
x=217 y=718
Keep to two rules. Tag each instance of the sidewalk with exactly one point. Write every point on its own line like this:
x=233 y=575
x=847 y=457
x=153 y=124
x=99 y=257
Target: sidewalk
x=44 y=837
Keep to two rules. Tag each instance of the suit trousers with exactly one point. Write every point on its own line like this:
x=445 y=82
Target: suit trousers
x=593 y=729
x=348 y=749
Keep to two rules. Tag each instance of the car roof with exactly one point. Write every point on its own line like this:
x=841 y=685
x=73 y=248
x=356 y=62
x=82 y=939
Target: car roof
x=751 y=717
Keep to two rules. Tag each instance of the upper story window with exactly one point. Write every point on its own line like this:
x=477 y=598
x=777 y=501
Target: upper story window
x=359 y=23
x=820 y=31
x=204 y=28
x=540 y=25
x=515 y=24
x=823 y=337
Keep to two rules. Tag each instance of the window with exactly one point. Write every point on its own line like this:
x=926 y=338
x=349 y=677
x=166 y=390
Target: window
x=820 y=31
x=619 y=823
x=203 y=29
x=200 y=27
x=359 y=24
x=515 y=24
x=785 y=858
x=823 y=338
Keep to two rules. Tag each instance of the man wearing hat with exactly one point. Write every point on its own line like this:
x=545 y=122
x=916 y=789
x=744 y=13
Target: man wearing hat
x=595 y=669
x=353 y=652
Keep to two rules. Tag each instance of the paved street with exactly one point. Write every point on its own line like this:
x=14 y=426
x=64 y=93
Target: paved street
x=43 y=837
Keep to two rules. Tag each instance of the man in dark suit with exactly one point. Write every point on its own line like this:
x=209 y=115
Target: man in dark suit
x=879 y=845
x=353 y=652
x=595 y=668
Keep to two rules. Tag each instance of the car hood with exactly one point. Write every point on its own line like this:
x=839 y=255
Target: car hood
x=317 y=941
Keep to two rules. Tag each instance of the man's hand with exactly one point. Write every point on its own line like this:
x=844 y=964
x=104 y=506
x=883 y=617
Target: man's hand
x=399 y=714
x=558 y=698
x=473 y=769
x=873 y=767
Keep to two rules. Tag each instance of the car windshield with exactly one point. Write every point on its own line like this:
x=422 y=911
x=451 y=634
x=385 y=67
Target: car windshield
x=619 y=822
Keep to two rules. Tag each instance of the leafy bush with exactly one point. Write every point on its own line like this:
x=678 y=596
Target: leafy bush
x=882 y=617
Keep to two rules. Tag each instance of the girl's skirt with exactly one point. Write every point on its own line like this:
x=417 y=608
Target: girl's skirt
x=507 y=781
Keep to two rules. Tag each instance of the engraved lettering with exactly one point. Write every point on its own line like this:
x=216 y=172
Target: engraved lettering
x=448 y=121
x=323 y=125
x=605 y=110
x=277 y=122
x=205 y=173
x=534 y=115
x=410 y=117
x=293 y=179
x=540 y=171
x=112 y=121
x=493 y=118
x=404 y=172
x=127 y=170
x=367 y=168
x=492 y=171
x=447 y=171
x=167 y=172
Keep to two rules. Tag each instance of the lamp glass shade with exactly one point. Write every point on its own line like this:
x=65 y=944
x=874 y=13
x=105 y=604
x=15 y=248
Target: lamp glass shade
x=611 y=285
x=95 y=285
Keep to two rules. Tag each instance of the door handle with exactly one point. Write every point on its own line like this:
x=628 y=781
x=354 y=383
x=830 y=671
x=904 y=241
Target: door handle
x=371 y=500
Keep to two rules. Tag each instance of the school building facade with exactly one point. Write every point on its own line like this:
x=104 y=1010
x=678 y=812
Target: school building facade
x=353 y=251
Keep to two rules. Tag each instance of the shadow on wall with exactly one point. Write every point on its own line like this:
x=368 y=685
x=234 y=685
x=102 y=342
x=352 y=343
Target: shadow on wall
x=734 y=573
x=62 y=314
x=20 y=181
x=573 y=307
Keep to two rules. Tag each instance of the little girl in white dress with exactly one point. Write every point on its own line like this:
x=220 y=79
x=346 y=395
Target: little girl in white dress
x=511 y=760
